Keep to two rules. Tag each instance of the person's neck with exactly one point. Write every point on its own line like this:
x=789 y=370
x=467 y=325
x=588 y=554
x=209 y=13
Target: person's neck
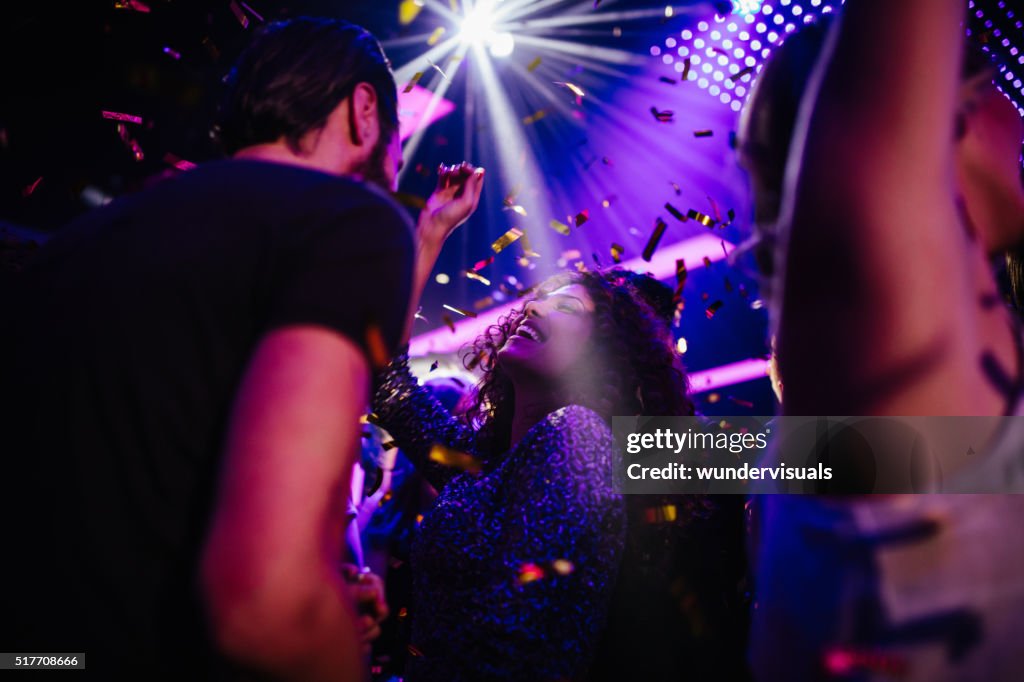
x=531 y=406
x=280 y=152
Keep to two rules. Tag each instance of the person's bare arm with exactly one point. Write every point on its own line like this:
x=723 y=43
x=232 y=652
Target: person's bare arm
x=877 y=308
x=451 y=204
x=274 y=598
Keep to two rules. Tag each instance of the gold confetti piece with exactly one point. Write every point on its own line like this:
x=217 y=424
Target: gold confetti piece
x=532 y=66
x=403 y=613
x=408 y=10
x=435 y=36
x=712 y=309
x=516 y=208
x=377 y=347
x=372 y=418
x=652 y=243
x=504 y=240
x=412 y=81
x=442 y=278
x=663 y=514
x=239 y=14
x=535 y=116
x=127 y=118
x=617 y=252
x=433 y=366
x=582 y=217
x=454 y=4
x=662 y=116
x=686 y=69
x=740 y=74
x=384 y=500
x=703 y=219
x=410 y=200
x=559 y=226
x=460 y=311
x=529 y=573
x=681 y=346
x=442 y=454
x=389 y=445
x=448 y=321
x=581 y=266
x=475 y=361
x=703 y=133
x=562 y=566
x=575 y=89
x=676 y=213
x=483 y=302
x=713 y=398
x=479 y=278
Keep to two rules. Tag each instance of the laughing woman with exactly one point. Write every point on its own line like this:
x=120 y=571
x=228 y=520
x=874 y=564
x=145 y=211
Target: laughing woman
x=515 y=565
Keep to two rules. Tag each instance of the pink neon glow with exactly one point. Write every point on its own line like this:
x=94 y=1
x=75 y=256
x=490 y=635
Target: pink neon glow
x=727 y=375
x=662 y=266
x=413 y=104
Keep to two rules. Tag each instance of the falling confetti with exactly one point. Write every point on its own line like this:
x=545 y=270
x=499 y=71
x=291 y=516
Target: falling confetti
x=662 y=116
x=686 y=69
x=667 y=513
x=435 y=36
x=504 y=240
x=666 y=79
x=433 y=365
x=703 y=133
x=412 y=82
x=438 y=69
x=676 y=213
x=702 y=218
x=460 y=311
x=479 y=278
x=532 y=66
x=456 y=459
x=481 y=264
x=172 y=53
x=130 y=142
x=712 y=309
x=560 y=227
x=740 y=74
x=449 y=322
x=529 y=573
x=239 y=14
x=410 y=200
x=617 y=252
x=127 y=118
x=535 y=116
x=742 y=403
x=652 y=243
x=582 y=217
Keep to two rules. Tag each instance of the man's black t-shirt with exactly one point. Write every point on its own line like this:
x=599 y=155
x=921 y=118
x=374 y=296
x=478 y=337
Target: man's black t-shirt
x=123 y=346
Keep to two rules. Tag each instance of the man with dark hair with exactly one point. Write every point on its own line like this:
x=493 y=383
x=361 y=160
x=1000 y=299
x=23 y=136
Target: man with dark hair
x=183 y=375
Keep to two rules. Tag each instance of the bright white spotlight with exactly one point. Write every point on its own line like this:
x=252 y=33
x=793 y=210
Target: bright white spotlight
x=478 y=26
x=501 y=44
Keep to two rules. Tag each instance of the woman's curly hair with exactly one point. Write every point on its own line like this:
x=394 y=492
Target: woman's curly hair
x=637 y=371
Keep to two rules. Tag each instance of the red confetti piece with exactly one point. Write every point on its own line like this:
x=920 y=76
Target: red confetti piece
x=712 y=309
x=27 y=192
x=180 y=164
x=742 y=403
x=133 y=5
x=529 y=573
x=662 y=116
x=481 y=264
x=582 y=217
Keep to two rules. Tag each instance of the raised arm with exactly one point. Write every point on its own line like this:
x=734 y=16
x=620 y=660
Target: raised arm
x=878 y=304
x=417 y=421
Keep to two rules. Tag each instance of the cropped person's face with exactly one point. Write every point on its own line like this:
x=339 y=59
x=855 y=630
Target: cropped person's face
x=989 y=165
x=551 y=337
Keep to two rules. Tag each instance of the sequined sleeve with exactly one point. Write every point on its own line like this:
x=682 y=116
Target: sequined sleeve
x=553 y=547
x=416 y=420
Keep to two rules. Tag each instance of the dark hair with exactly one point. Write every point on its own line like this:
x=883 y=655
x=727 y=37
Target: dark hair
x=294 y=74
x=638 y=370
x=770 y=115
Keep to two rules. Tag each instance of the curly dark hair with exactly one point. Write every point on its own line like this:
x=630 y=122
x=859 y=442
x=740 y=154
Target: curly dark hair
x=639 y=372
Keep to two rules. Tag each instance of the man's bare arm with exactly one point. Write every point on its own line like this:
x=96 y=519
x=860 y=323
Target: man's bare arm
x=274 y=598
